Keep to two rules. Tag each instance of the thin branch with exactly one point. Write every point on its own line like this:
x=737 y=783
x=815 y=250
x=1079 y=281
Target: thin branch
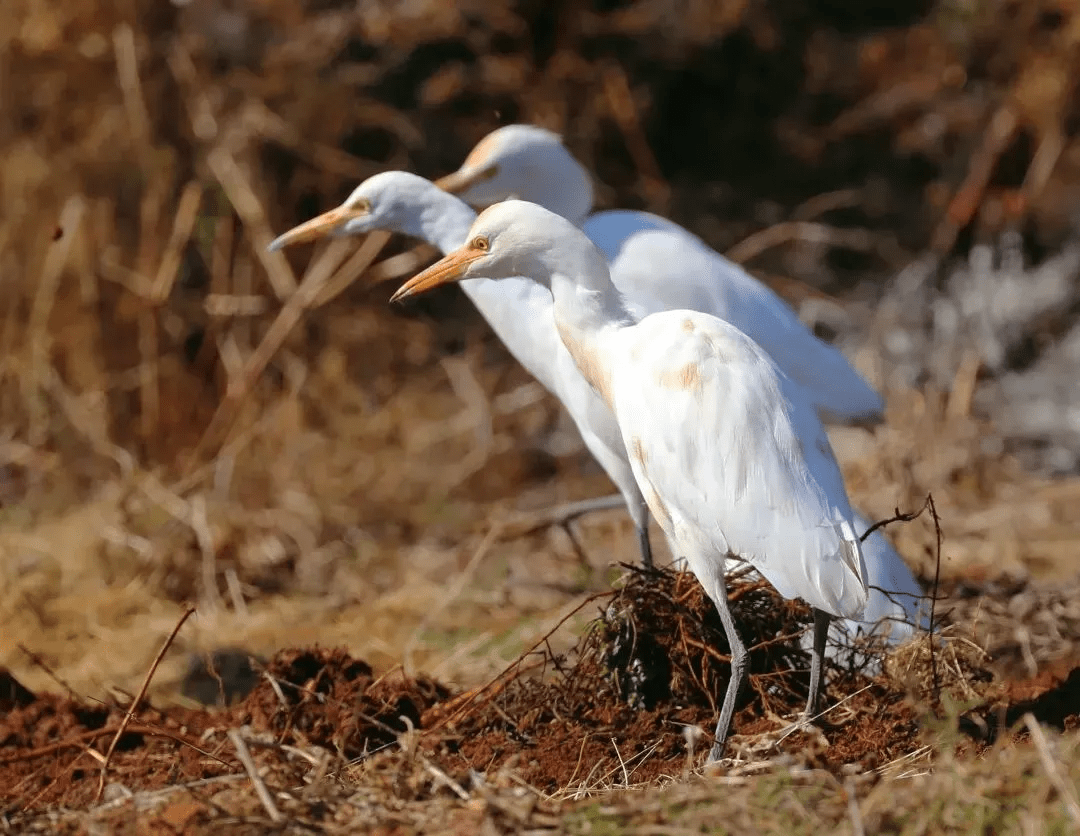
x=1064 y=788
x=138 y=699
x=93 y=734
x=857 y=827
x=253 y=774
x=860 y=240
x=37 y=660
x=468 y=700
x=934 y=593
x=253 y=215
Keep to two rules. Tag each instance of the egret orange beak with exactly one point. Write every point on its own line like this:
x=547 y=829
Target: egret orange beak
x=447 y=269
x=463 y=178
x=318 y=227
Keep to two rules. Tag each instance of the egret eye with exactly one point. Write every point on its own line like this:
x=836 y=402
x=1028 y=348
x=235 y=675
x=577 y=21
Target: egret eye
x=480 y=243
x=362 y=205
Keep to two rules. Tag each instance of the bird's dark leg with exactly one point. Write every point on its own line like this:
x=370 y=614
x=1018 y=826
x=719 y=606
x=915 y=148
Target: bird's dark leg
x=821 y=630
x=646 y=546
x=738 y=673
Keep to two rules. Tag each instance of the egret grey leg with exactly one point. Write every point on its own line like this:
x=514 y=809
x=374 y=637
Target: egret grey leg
x=646 y=546
x=821 y=630
x=573 y=510
x=738 y=674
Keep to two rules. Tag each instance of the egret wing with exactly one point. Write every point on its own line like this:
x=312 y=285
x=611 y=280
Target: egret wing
x=663 y=267
x=732 y=457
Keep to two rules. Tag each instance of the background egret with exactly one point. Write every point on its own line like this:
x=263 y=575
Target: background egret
x=661 y=266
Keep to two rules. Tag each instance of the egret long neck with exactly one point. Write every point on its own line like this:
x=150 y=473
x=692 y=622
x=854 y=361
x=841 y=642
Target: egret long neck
x=561 y=185
x=442 y=221
x=589 y=312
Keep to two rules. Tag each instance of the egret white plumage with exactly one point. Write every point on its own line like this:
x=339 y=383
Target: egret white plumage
x=897 y=606
x=519 y=312
x=728 y=451
x=661 y=266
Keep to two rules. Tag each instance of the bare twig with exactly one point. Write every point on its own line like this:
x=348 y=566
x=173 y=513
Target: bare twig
x=37 y=660
x=402 y=264
x=528 y=521
x=857 y=828
x=48 y=284
x=999 y=133
x=187 y=212
x=306 y=296
x=898 y=516
x=444 y=779
x=81 y=738
x=130 y=713
x=861 y=240
x=201 y=113
x=86 y=423
x=350 y=271
x=934 y=592
x=329 y=159
x=819 y=204
x=468 y=700
x=1064 y=788
x=622 y=763
x=261 y=791
x=200 y=524
x=251 y=212
x=127 y=71
x=621 y=104
x=236 y=593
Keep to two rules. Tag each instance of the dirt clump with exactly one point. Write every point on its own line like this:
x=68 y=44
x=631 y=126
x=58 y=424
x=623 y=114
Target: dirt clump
x=639 y=696
x=326 y=698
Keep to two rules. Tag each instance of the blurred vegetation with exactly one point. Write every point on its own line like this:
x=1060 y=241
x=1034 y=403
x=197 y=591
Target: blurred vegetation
x=946 y=120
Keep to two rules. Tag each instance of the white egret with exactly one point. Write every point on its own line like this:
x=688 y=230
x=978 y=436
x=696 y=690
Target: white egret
x=519 y=311
x=729 y=452
x=661 y=266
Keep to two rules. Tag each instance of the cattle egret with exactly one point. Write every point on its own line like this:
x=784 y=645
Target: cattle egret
x=661 y=266
x=728 y=451
x=519 y=311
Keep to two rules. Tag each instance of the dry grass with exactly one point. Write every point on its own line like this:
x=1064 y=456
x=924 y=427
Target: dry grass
x=1006 y=791
x=187 y=418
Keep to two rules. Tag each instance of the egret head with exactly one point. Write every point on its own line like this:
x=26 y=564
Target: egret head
x=389 y=201
x=509 y=239
x=526 y=162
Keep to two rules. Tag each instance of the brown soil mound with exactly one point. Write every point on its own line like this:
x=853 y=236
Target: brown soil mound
x=623 y=707
x=647 y=679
